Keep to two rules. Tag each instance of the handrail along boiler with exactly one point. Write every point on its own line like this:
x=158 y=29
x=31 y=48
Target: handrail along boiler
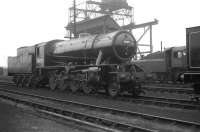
x=87 y=63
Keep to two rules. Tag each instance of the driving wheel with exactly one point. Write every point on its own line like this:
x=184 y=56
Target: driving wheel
x=52 y=83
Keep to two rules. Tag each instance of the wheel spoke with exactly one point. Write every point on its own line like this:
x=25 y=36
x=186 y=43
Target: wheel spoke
x=52 y=83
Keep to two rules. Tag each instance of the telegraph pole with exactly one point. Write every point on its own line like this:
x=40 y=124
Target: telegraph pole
x=74 y=3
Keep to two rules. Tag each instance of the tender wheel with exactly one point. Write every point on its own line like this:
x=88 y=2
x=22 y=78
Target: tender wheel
x=28 y=83
x=20 y=85
x=74 y=86
x=24 y=81
x=52 y=83
x=19 y=82
x=113 y=89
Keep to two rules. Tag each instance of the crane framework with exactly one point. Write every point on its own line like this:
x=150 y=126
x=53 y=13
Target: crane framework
x=119 y=11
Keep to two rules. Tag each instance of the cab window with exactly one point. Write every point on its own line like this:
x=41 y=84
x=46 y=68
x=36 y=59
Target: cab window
x=175 y=54
x=178 y=54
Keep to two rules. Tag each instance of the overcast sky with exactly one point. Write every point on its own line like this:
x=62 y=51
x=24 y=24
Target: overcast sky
x=27 y=22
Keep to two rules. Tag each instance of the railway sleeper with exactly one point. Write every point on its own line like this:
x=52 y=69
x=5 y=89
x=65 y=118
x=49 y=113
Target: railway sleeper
x=156 y=118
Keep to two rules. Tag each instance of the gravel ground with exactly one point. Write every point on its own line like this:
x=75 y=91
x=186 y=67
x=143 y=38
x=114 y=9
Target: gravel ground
x=21 y=119
x=187 y=115
x=159 y=126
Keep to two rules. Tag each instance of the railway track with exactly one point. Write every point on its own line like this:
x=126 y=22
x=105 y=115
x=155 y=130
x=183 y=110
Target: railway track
x=153 y=88
x=80 y=117
x=170 y=102
x=47 y=106
x=156 y=101
x=147 y=100
x=168 y=89
x=165 y=84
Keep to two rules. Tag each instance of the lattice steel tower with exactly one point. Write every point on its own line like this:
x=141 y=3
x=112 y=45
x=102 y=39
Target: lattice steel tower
x=119 y=10
x=91 y=12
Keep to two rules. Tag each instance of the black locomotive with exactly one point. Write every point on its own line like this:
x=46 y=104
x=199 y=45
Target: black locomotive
x=165 y=66
x=193 y=59
x=87 y=63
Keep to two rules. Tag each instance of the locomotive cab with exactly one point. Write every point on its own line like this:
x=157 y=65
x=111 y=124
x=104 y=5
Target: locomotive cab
x=39 y=54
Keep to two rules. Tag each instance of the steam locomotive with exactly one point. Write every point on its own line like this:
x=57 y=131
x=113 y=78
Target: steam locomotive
x=88 y=63
x=192 y=75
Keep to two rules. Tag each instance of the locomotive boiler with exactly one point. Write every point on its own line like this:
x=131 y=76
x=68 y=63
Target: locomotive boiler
x=88 y=63
x=113 y=48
